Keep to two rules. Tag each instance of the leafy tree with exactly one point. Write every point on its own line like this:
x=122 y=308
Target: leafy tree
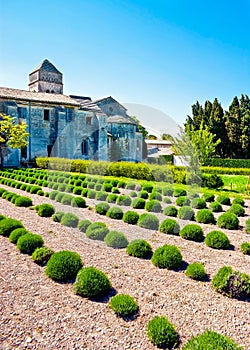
x=152 y=137
x=11 y=135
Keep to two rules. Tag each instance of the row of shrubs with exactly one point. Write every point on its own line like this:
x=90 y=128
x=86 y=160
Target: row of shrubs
x=18 y=200
x=228 y=163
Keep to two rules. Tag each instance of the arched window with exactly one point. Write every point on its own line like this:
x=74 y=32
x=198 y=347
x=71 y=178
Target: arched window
x=85 y=147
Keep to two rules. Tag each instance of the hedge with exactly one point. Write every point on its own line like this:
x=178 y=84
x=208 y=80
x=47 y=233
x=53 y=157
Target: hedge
x=228 y=163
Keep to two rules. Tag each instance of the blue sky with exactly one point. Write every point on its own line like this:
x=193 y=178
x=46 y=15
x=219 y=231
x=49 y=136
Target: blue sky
x=164 y=54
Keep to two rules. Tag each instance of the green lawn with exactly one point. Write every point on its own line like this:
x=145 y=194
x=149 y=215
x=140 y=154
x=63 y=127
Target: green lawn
x=235 y=183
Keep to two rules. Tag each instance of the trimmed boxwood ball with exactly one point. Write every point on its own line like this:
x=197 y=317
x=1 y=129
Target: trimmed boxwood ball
x=182 y=200
x=208 y=197
x=70 y=220
x=112 y=198
x=115 y=213
x=15 y=234
x=205 y=216
x=167 y=191
x=63 y=266
x=45 y=210
x=53 y=194
x=139 y=203
x=77 y=190
x=237 y=209
x=147 y=187
x=247 y=226
x=139 y=248
x=192 y=232
x=217 y=239
x=101 y=196
x=229 y=221
x=66 y=199
x=133 y=194
x=57 y=217
x=143 y=194
x=29 y=242
x=83 y=225
x=198 y=203
x=116 y=239
x=155 y=195
x=186 y=213
x=167 y=257
x=8 y=225
x=170 y=211
x=216 y=207
x=153 y=206
x=170 y=226
x=59 y=196
x=162 y=333
x=78 y=202
x=102 y=208
x=239 y=200
x=91 y=283
x=131 y=217
x=149 y=221
x=245 y=248
x=178 y=192
x=123 y=200
x=196 y=271
x=167 y=200
x=107 y=187
x=124 y=305
x=211 y=340
x=222 y=199
x=42 y=255
x=97 y=231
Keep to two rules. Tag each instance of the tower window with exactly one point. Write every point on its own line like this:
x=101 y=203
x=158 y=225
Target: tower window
x=88 y=120
x=46 y=114
x=49 y=150
x=85 y=147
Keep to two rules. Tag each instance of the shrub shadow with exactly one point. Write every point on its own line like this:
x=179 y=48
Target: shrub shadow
x=105 y=298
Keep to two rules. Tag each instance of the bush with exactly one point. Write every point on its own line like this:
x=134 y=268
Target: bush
x=182 y=200
x=91 y=194
x=101 y=196
x=70 y=220
x=133 y=194
x=112 y=198
x=8 y=225
x=205 y=216
x=186 y=213
x=196 y=271
x=57 y=217
x=139 y=203
x=15 y=234
x=42 y=255
x=167 y=191
x=247 y=227
x=149 y=221
x=53 y=194
x=232 y=283
x=78 y=202
x=63 y=266
x=222 y=199
x=115 y=213
x=229 y=221
x=45 y=210
x=102 y=208
x=236 y=209
x=23 y=201
x=155 y=195
x=77 y=190
x=162 y=333
x=167 y=256
x=91 y=283
x=211 y=340
x=139 y=248
x=97 y=231
x=217 y=239
x=123 y=305
x=216 y=207
x=116 y=239
x=170 y=211
x=178 y=192
x=208 y=197
x=245 y=248
x=153 y=206
x=170 y=226
x=147 y=187
x=143 y=194
x=29 y=242
x=123 y=200
x=212 y=181
x=239 y=200
x=192 y=232
x=167 y=200
x=131 y=217
x=66 y=199
x=107 y=187
x=198 y=203
x=83 y=225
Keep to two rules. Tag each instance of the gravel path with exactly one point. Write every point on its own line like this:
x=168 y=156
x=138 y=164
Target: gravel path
x=38 y=313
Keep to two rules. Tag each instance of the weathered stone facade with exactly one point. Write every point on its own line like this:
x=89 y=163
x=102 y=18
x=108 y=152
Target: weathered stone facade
x=72 y=127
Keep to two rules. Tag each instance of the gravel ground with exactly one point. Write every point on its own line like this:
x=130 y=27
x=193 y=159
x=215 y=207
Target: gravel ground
x=38 y=313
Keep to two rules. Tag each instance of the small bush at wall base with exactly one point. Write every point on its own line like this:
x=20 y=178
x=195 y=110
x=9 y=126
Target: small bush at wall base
x=69 y=220
x=167 y=256
x=63 y=266
x=162 y=333
x=15 y=234
x=131 y=217
x=124 y=305
x=42 y=255
x=186 y=213
x=115 y=213
x=170 y=226
x=8 y=225
x=45 y=210
x=29 y=242
x=149 y=221
x=83 y=225
x=139 y=248
x=217 y=239
x=91 y=283
x=245 y=248
x=216 y=207
x=102 y=208
x=192 y=232
x=23 y=201
x=196 y=271
x=97 y=231
x=170 y=211
x=205 y=216
x=116 y=239
x=229 y=221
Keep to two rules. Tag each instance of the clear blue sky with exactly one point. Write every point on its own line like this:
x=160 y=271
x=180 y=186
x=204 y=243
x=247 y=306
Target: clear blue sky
x=165 y=54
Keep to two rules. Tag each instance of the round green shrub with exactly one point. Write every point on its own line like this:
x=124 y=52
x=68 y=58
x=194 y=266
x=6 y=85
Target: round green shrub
x=143 y=194
x=167 y=256
x=101 y=196
x=153 y=206
x=186 y=213
x=34 y=189
x=8 y=225
x=102 y=208
x=198 y=203
x=97 y=231
x=107 y=187
x=179 y=192
x=170 y=226
x=53 y=194
x=167 y=200
x=22 y=201
x=208 y=196
x=170 y=211
x=115 y=213
x=9 y=196
x=222 y=199
x=216 y=207
x=91 y=194
x=182 y=200
x=123 y=200
x=196 y=271
x=63 y=266
x=29 y=242
x=112 y=198
x=91 y=283
x=245 y=248
x=247 y=226
x=139 y=248
x=205 y=216
x=192 y=232
x=239 y=200
x=59 y=196
x=15 y=234
x=139 y=203
x=211 y=340
x=42 y=255
x=124 y=305
x=236 y=209
x=66 y=199
x=229 y=221
x=40 y=193
x=98 y=187
x=155 y=195
x=162 y=333
x=131 y=217
x=13 y=199
x=133 y=194
x=83 y=225
x=115 y=190
x=2 y=191
x=116 y=239
x=57 y=217
x=149 y=221
x=77 y=190
x=167 y=191
x=78 y=202
x=45 y=210
x=147 y=187
x=217 y=240
x=70 y=220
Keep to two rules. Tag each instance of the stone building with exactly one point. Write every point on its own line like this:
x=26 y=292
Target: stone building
x=71 y=126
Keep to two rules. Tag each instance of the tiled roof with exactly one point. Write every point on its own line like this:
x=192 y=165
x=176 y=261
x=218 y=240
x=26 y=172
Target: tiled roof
x=109 y=99
x=47 y=66
x=120 y=120
x=88 y=105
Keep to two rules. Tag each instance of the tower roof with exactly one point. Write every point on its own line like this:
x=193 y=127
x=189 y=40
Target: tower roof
x=46 y=65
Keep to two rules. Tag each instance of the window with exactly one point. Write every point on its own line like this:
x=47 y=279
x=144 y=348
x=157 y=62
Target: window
x=49 y=149
x=85 y=147
x=22 y=112
x=69 y=114
x=88 y=120
x=46 y=114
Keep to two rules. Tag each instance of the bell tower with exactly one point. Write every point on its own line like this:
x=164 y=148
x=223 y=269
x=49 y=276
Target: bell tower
x=46 y=78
